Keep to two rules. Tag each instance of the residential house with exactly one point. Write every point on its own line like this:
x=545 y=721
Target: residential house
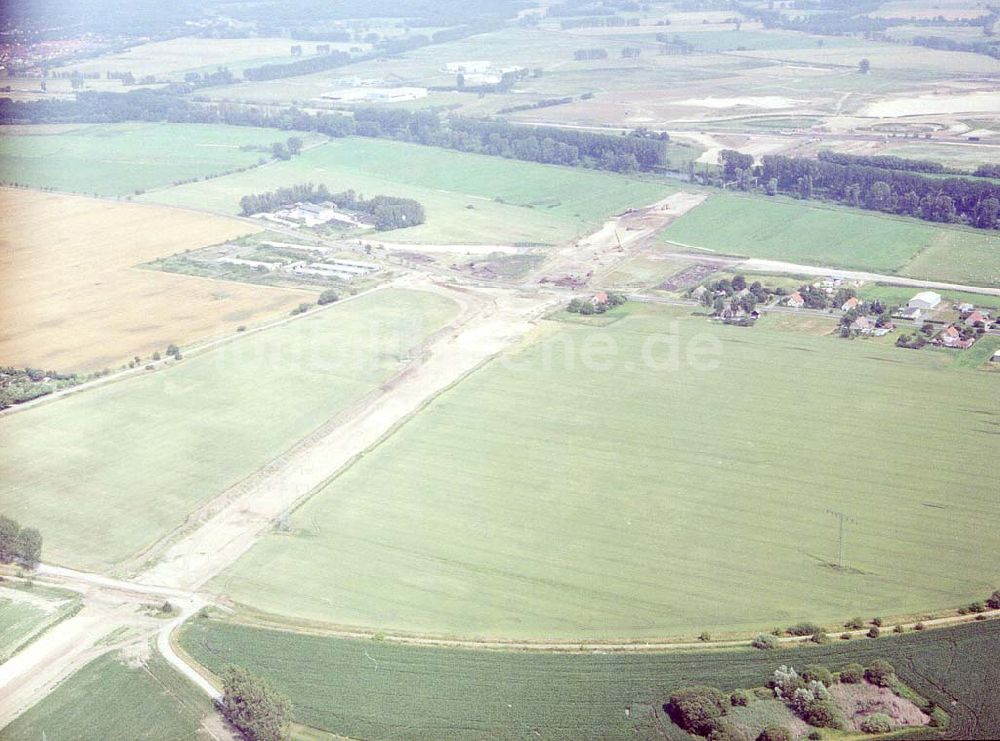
x=952 y=337
x=975 y=316
x=863 y=325
x=851 y=303
x=796 y=301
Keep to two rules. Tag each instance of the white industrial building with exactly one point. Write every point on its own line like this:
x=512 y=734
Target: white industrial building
x=925 y=300
x=376 y=94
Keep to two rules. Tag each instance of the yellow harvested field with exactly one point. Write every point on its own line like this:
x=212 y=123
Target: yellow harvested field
x=74 y=298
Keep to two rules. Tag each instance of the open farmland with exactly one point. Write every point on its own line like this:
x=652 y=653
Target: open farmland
x=118 y=697
x=74 y=299
x=122 y=159
x=136 y=457
x=838 y=237
x=379 y=690
x=553 y=496
x=469 y=198
x=172 y=58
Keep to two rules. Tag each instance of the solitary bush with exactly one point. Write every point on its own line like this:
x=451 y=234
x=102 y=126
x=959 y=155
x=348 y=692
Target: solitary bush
x=919 y=626
x=823 y=714
x=820 y=637
x=881 y=673
x=852 y=674
x=739 y=698
x=775 y=733
x=994 y=601
x=874 y=632
x=705 y=637
x=764 y=642
x=855 y=623
x=977 y=607
x=876 y=723
x=814 y=735
x=802 y=629
x=845 y=636
x=899 y=629
x=328 y=296
x=695 y=709
x=817 y=673
x=877 y=622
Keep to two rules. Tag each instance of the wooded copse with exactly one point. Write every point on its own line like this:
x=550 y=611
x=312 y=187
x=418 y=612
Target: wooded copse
x=957 y=200
x=22 y=544
x=386 y=212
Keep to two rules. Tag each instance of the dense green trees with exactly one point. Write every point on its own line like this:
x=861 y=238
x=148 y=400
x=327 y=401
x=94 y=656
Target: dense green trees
x=385 y=212
x=257 y=710
x=19 y=544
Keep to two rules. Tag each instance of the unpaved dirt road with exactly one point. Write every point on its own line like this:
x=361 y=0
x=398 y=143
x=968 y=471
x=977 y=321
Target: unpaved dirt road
x=617 y=239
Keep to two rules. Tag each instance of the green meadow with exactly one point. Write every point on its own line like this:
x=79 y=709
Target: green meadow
x=121 y=159
x=135 y=457
x=108 y=699
x=468 y=197
x=839 y=237
x=654 y=477
x=380 y=690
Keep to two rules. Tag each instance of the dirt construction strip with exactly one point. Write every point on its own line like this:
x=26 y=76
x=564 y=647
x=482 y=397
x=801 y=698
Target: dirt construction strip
x=492 y=322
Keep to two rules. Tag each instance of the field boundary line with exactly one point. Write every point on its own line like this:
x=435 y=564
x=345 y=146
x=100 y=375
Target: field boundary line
x=192 y=350
x=267 y=621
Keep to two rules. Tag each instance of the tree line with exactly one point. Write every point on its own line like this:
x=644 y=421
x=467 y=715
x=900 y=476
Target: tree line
x=20 y=544
x=884 y=161
x=386 y=212
x=640 y=151
x=946 y=200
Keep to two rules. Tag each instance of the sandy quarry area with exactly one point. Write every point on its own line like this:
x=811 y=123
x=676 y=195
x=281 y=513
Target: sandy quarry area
x=75 y=300
x=935 y=104
x=766 y=102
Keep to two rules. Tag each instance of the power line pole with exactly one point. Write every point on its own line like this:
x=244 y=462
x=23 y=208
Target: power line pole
x=842 y=518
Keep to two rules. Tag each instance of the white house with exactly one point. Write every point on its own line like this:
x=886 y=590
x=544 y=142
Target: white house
x=925 y=300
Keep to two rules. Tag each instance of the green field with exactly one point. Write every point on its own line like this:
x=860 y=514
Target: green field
x=550 y=497
x=135 y=457
x=839 y=237
x=379 y=690
x=121 y=159
x=468 y=197
x=26 y=613
x=110 y=700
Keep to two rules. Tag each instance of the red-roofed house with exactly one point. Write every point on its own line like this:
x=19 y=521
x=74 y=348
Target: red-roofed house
x=796 y=301
x=599 y=298
x=975 y=316
x=952 y=337
x=851 y=303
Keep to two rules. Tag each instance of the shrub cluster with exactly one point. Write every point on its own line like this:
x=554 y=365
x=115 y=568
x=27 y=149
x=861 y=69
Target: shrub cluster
x=697 y=709
x=764 y=642
x=876 y=723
